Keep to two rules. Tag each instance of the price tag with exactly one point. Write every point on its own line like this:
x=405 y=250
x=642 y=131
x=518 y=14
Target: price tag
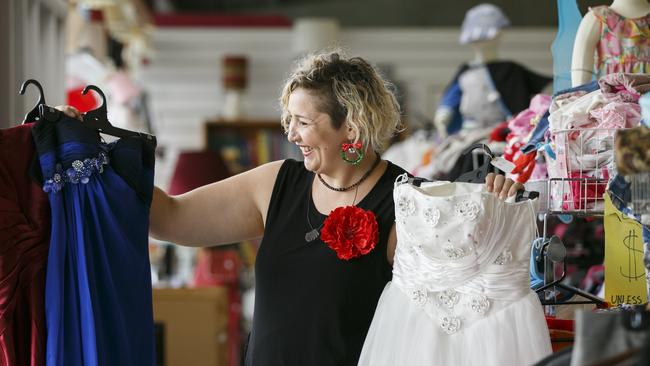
x=503 y=164
x=625 y=279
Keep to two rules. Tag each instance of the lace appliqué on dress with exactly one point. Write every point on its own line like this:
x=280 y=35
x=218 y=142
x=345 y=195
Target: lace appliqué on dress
x=448 y=298
x=453 y=253
x=420 y=297
x=431 y=216
x=79 y=172
x=480 y=304
x=467 y=209
x=405 y=206
x=450 y=324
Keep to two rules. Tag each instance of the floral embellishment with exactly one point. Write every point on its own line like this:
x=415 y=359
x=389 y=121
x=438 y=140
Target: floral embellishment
x=405 y=206
x=453 y=253
x=450 y=324
x=350 y=231
x=467 y=209
x=504 y=258
x=448 y=298
x=55 y=183
x=79 y=172
x=431 y=216
x=480 y=304
x=420 y=297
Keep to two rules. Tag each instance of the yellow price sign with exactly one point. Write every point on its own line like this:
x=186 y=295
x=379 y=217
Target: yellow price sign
x=625 y=277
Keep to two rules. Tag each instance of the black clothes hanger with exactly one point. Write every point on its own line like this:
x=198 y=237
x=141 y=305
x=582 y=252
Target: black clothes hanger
x=477 y=175
x=34 y=114
x=555 y=251
x=97 y=119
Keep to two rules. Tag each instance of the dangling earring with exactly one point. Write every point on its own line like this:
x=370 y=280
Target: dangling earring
x=353 y=148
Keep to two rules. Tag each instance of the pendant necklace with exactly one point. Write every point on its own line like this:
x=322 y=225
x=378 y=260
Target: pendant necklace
x=314 y=233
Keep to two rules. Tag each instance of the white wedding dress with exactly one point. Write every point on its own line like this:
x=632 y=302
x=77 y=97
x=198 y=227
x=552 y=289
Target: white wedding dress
x=460 y=293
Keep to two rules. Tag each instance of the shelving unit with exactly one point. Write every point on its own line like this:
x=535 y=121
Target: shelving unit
x=245 y=144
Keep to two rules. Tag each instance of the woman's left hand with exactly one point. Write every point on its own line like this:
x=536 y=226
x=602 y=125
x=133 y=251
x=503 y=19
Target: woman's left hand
x=500 y=186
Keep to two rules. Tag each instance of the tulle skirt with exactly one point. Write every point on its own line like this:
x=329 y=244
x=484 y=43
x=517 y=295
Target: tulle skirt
x=402 y=334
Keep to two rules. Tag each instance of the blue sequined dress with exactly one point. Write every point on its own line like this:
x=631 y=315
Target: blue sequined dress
x=98 y=284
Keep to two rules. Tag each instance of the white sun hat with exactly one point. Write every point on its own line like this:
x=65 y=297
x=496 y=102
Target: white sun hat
x=481 y=23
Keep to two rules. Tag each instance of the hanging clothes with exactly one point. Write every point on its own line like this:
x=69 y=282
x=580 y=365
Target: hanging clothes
x=24 y=242
x=98 y=283
x=460 y=293
x=521 y=126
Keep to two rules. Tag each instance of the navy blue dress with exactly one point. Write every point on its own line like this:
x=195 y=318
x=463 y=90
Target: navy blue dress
x=98 y=307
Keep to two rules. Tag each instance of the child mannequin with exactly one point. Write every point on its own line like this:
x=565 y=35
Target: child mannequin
x=486 y=90
x=590 y=33
x=483 y=93
x=485 y=51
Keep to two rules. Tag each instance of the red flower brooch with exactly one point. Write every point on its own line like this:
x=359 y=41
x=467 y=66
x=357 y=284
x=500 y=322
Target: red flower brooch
x=350 y=231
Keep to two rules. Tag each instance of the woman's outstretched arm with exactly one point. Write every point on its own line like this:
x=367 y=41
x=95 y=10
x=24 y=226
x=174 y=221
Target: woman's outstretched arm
x=227 y=211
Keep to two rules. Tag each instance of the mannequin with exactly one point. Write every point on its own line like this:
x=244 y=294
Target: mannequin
x=588 y=37
x=485 y=91
x=485 y=51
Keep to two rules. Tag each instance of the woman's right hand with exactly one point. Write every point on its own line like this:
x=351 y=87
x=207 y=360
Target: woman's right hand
x=69 y=111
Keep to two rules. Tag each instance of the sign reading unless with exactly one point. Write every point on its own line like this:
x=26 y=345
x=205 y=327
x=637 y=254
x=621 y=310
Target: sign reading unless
x=625 y=277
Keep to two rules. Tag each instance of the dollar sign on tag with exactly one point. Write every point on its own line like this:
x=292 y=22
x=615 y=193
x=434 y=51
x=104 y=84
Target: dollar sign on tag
x=632 y=271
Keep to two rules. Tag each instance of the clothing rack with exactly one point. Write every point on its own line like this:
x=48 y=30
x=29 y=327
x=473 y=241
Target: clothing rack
x=574 y=196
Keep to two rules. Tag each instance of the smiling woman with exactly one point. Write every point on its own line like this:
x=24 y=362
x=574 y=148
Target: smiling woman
x=317 y=289
x=328 y=243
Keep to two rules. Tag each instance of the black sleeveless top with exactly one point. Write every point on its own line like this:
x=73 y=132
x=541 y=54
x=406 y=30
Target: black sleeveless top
x=312 y=308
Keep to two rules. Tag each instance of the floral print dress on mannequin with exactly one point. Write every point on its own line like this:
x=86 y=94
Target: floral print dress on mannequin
x=624 y=44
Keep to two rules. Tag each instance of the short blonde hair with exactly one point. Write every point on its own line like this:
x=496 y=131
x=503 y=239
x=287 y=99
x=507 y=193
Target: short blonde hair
x=349 y=90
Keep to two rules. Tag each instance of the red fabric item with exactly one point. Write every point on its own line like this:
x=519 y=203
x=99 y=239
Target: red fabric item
x=585 y=192
x=24 y=244
x=524 y=166
x=561 y=332
x=560 y=324
x=83 y=103
x=500 y=132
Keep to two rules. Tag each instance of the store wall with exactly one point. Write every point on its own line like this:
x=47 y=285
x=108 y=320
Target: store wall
x=184 y=77
x=31 y=35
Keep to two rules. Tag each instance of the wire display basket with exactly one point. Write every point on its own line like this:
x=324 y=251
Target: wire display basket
x=580 y=164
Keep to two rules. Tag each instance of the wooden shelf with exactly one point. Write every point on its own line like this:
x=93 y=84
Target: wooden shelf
x=245 y=144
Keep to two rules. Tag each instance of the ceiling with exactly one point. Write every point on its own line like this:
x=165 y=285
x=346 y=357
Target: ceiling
x=373 y=13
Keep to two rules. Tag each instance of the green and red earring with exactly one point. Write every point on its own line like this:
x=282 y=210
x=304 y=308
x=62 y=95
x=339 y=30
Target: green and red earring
x=352 y=148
